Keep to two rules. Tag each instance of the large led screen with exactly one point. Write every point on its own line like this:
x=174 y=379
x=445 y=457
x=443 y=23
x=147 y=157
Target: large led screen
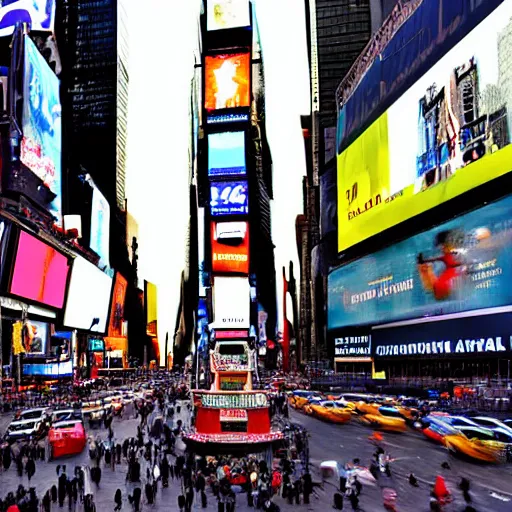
x=38 y=14
x=449 y=133
x=230 y=247
x=42 y=123
x=227 y=81
x=88 y=297
x=54 y=370
x=461 y=265
x=225 y=14
x=229 y=198
x=100 y=226
x=40 y=272
x=115 y=327
x=231 y=302
x=226 y=154
x=151 y=296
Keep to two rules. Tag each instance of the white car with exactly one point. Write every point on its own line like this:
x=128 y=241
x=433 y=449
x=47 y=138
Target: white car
x=38 y=413
x=23 y=429
x=492 y=423
x=459 y=421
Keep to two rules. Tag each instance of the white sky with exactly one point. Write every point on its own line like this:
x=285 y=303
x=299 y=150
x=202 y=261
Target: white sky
x=163 y=37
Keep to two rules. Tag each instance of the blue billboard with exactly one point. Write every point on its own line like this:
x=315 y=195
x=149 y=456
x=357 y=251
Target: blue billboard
x=462 y=265
x=41 y=124
x=229 y=198
x=226 y=154
x=38 y=14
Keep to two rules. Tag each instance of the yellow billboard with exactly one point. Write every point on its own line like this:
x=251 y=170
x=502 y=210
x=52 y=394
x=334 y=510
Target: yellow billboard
x=447 y=134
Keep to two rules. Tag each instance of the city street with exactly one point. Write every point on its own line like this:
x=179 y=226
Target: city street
x=412 y=453
x=491 y=487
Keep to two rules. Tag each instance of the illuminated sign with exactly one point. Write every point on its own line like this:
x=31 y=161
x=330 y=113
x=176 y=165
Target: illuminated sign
x=230 y=247
x=229 y=198
x=462 y=265
x=233 y=415
x=447 y=134
x=226 y=14
x=227 y=81
x=490 y=334
x=235 y=401
x=231 y=335
x=226 y=154
x=231 y=302
x=352 y=346
x=233 y=383
x=227 y=118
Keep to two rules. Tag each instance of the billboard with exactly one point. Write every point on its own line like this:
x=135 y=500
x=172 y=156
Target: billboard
x=352 y=346
x=40 y=272
x=229 y=198
x=35 y=337
x=226 y=14
x=88 y=298
x=226 y=154
x=230 y=247
x=227 y=81
x=490 y=334
x=151 y=296
x=462 y=265
x=42 y=124
x=49 y=370
x=231 y=303
x=100 y=226
x=115 y=326
x=447 y=134
x=38 y=14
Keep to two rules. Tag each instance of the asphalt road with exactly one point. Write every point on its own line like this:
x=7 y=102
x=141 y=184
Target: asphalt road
x=327 y=442
x=412 y=453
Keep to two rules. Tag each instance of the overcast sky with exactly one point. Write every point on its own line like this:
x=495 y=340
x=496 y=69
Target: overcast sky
x=163 y=37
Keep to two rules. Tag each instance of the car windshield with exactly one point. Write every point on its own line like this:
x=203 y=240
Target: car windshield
x=63 y=425
x=22 y=426
x=31 y=415
x=478 y=434
x=393 y=413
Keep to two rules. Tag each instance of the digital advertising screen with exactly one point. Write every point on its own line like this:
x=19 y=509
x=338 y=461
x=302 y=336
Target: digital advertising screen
x=226 y=154
x=35 y=337
x=226 y=14
x=229 y=198
x=462 y=265
x=100 y=226
x=447 y=134
x=41 y=144
x=151 y=296
x=227 y=81
x=231 y=303
x=38 y=14
x=40 y=272
x=88 y=298
x=230 y=247
x=49 y=370
x=115 y=328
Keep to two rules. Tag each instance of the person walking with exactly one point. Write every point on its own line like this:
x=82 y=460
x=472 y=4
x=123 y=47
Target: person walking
x=118 y=500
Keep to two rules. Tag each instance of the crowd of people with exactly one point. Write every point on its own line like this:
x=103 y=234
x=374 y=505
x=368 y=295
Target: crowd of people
x=152 y=460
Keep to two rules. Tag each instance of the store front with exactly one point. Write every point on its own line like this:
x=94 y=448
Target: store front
x=475 y=349
x=352 y=352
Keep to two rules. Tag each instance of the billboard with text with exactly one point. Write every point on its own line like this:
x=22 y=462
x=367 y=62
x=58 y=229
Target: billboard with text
x=462 y=265
x=447 y=134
